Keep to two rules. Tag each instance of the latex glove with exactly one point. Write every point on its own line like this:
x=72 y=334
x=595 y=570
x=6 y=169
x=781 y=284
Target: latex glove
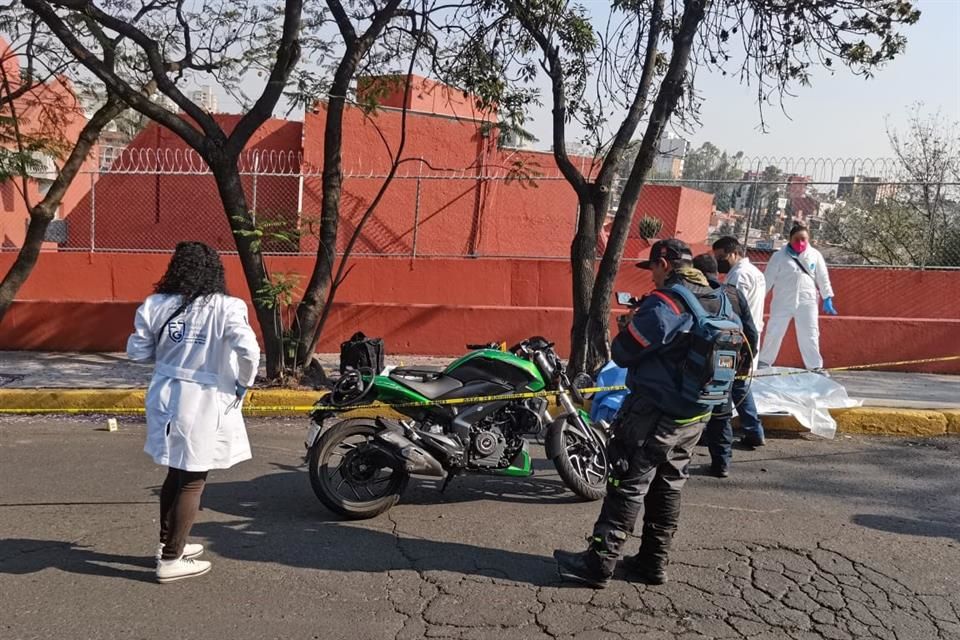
x=828 y=307
x=241 y=391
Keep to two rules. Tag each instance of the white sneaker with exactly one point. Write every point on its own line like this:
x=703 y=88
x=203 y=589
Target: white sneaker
x=189 y=551
x=173 y=570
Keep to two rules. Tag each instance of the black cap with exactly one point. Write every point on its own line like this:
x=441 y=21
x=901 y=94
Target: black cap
x=670 y=249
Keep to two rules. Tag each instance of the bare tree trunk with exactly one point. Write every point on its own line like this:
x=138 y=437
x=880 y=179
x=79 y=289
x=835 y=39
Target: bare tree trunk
x=42 y=213
x=234 y=199
x=583 y=254
x=315 y=295
x=311 y=310
x=671 y=89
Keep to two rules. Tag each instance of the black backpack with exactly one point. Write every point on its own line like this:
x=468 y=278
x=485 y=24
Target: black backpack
x=715 y=343
x=361 y=352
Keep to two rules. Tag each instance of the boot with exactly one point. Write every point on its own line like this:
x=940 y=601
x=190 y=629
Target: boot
x=751 y=442
x=641 y=569
x=582 y=567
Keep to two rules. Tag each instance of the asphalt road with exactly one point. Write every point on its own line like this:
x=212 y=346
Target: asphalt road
x=854 y=538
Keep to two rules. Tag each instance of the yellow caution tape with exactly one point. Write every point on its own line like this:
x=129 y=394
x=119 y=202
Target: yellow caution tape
x=254 y=408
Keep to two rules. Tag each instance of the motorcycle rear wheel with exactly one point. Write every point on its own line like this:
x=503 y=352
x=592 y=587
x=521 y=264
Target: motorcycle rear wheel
x=582 y=470
x=346 y=481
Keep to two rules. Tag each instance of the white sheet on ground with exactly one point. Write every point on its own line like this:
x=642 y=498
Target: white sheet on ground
x=806 y=396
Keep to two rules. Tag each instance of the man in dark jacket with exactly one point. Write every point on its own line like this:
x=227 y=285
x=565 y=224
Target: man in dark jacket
x=655 y=431
x=719 y=431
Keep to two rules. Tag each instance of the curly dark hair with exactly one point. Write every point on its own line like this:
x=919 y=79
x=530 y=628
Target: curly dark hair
x=194 y=271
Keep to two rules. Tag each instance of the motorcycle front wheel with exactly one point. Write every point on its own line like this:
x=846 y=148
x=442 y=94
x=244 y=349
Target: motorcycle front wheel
x=582 y=466
x=348 y=476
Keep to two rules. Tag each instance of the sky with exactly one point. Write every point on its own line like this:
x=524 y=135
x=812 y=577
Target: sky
x=840 y=115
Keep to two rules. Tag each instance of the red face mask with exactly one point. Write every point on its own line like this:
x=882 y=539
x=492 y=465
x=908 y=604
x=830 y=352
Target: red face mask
x=799 y=245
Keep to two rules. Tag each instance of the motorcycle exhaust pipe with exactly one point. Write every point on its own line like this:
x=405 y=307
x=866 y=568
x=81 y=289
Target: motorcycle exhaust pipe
x=409 y=457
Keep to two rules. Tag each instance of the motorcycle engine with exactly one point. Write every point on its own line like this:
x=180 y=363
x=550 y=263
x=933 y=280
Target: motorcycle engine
x=496 y=439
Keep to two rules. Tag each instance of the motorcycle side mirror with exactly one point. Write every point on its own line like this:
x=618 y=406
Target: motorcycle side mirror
x=624 y=299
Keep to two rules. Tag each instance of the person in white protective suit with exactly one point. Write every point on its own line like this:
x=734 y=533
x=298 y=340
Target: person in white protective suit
x=794 y=274
x=206 y=357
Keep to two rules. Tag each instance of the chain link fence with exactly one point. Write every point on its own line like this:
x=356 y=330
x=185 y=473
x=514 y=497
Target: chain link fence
x=863 y=212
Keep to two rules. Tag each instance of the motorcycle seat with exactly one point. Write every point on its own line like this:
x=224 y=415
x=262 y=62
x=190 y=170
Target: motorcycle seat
x=429 y=384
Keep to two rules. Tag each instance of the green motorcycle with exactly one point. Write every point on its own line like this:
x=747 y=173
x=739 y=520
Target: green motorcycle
x=473 y=417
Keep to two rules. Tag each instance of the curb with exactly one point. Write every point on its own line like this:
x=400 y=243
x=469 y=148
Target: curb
x=879 y=421
x=264 y=402
x=271 y=403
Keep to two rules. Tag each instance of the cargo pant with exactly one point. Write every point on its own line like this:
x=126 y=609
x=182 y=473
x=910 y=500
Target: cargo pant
x=648 y=454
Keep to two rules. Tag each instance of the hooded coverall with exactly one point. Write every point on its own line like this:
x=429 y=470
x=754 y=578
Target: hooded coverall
x=795 y=298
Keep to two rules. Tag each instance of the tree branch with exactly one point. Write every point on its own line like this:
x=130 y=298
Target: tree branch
x=114 y=83
x=343 y=21
x=629 y=125
x=158 y=66
x=288 y=52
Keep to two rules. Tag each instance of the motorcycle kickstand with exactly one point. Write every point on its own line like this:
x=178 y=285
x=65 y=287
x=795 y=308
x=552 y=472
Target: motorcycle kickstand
x=447 y=480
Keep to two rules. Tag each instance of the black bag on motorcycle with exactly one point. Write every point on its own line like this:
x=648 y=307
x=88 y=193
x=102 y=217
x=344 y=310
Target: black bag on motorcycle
x=361 y=352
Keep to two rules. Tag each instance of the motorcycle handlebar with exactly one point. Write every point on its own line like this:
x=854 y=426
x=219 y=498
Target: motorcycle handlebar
x=486 y=345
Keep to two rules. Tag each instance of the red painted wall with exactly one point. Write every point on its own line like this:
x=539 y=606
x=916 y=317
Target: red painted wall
x=154 y=212
x=693 y=220
x=81 y=302
x=444 y=330
x=451 y=196
x=425 y=95
x=466 y=207
x=878 y=293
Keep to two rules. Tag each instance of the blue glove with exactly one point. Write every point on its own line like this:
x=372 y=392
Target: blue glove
x=241 y=391
x=828 y=307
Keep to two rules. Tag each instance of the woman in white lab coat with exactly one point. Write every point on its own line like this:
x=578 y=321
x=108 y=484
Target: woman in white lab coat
x=206 y=357
x=795 y=274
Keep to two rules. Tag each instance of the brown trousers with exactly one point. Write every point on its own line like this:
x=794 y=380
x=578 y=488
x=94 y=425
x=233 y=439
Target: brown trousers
x=179 y=504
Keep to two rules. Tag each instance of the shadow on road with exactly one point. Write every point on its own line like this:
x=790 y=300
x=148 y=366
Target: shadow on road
x=909 y=526
x=279 y=520
x=276 y=519
x=20 y=556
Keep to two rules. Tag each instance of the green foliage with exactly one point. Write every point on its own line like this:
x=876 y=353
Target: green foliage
x=711 y=170
x=523 y=173
x=270 y=232
x=279 y=291
x=649 y=227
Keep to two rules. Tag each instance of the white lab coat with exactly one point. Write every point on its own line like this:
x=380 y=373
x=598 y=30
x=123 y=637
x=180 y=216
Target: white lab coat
x=193 y=422
x=795 y=297
x=750 y=281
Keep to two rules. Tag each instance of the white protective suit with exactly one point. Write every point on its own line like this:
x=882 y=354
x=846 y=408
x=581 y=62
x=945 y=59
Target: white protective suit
x=193 y=420
x=748 y=279
x=795 y=297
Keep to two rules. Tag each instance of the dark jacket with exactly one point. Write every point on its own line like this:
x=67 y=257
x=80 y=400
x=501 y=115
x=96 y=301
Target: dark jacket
x=654 y=345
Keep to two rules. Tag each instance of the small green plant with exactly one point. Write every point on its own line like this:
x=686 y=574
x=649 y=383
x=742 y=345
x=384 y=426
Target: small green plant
x=650 y=227
x=279 y=293
x=271 y=232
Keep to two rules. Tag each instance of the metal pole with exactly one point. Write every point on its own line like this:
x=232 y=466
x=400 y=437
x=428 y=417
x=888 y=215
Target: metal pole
x=300 y=208
x=93 y=211
x=256 y=167
x=416 y=214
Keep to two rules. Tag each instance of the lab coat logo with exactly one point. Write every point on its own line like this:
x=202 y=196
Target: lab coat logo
x=175 y=330
x=813 y=266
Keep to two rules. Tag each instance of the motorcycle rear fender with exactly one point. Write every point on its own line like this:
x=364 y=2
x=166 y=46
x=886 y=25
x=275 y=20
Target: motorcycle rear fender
x=318 y=426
